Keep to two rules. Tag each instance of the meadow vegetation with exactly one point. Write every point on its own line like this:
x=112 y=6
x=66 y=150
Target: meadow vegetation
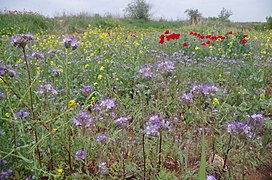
x=115 y=98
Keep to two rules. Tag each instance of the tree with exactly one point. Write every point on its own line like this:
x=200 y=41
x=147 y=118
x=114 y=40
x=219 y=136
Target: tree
x=138 y=9
x=194 y=15
x=224 y=15
x=269 y=22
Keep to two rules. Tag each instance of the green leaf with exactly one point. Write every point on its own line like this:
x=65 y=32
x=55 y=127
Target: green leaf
x=202 y=170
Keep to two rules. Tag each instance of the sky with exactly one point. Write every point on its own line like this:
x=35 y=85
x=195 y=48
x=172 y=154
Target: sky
x=243 y=10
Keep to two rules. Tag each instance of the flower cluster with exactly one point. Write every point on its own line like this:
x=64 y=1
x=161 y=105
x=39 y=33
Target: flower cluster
x=107 y=103
x=256 y=120
x=22 y=113
x=4 y=174
x=21 y=40
x=70 y=42
x=37 y=55
x=46 y=88
x=172 y=36
x=244 y=39
x=80 y=155
x=239 y=127
x=122 y=121
x=165 y=67
x=154 y=124
x=103 y=169
x=83 y=119
x=8 y=69
x=146 y=71
x=204 y=89
x=86 y=90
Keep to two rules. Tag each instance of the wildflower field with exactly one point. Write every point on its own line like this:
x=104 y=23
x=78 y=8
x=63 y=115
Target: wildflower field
x=114 y=103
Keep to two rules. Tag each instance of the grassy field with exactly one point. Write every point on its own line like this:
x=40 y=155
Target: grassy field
x=105 y=98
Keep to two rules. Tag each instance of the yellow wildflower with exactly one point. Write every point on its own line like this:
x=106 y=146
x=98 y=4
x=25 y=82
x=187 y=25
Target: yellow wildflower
x=72 y=103
x=197 y=48
x=60 y=171
x=102 y=68
x=215 y=101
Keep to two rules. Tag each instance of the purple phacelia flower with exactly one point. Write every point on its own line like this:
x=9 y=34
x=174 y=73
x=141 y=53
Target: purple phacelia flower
x=46 y=88
x=122 y=121
x=5 y=174
x=70 y=42
x=239 y=127
x=146 y=72
x=2 y=94
x=107 y=103
x=56 y=71
x=3 y=162
x=154 y=124
x=86 y=90
x=101 y=137
x=21 y=40
x=210 y=177
x=165 y=67
x=205 y=89
x=22 y=113
x=103 y=169
x=11 y=72
x=37 y=55
x=256 y=119
x=187 y=97
x=83 y=119
x=80 y=155
x=2 y=70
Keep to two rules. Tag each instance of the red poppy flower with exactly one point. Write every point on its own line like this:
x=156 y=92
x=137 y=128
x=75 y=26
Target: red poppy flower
x=203 y=44
x=230 y=32
x=244 y=41
x=208 y=42
x=245 y=35
x=208 y=36
x=167 y=31
x=185 y=44
x=161 y=41
x=213 y=38
x=191 y=33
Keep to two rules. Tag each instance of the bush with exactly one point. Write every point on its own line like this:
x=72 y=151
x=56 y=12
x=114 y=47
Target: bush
x=269 y=22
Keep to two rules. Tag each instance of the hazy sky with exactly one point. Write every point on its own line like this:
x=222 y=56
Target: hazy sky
x=243 y=10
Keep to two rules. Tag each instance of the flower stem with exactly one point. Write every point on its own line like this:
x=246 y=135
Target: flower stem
x=32 y=107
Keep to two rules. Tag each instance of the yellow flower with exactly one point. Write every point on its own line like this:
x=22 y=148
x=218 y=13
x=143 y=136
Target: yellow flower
x=60 y=171
x=92 y=100
x=99 y=76
x=72 y=103
x=197 y=48
x=261 y=96
x=95 y=83
x=7 y=114
x=102 y=68
x=215 y=101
